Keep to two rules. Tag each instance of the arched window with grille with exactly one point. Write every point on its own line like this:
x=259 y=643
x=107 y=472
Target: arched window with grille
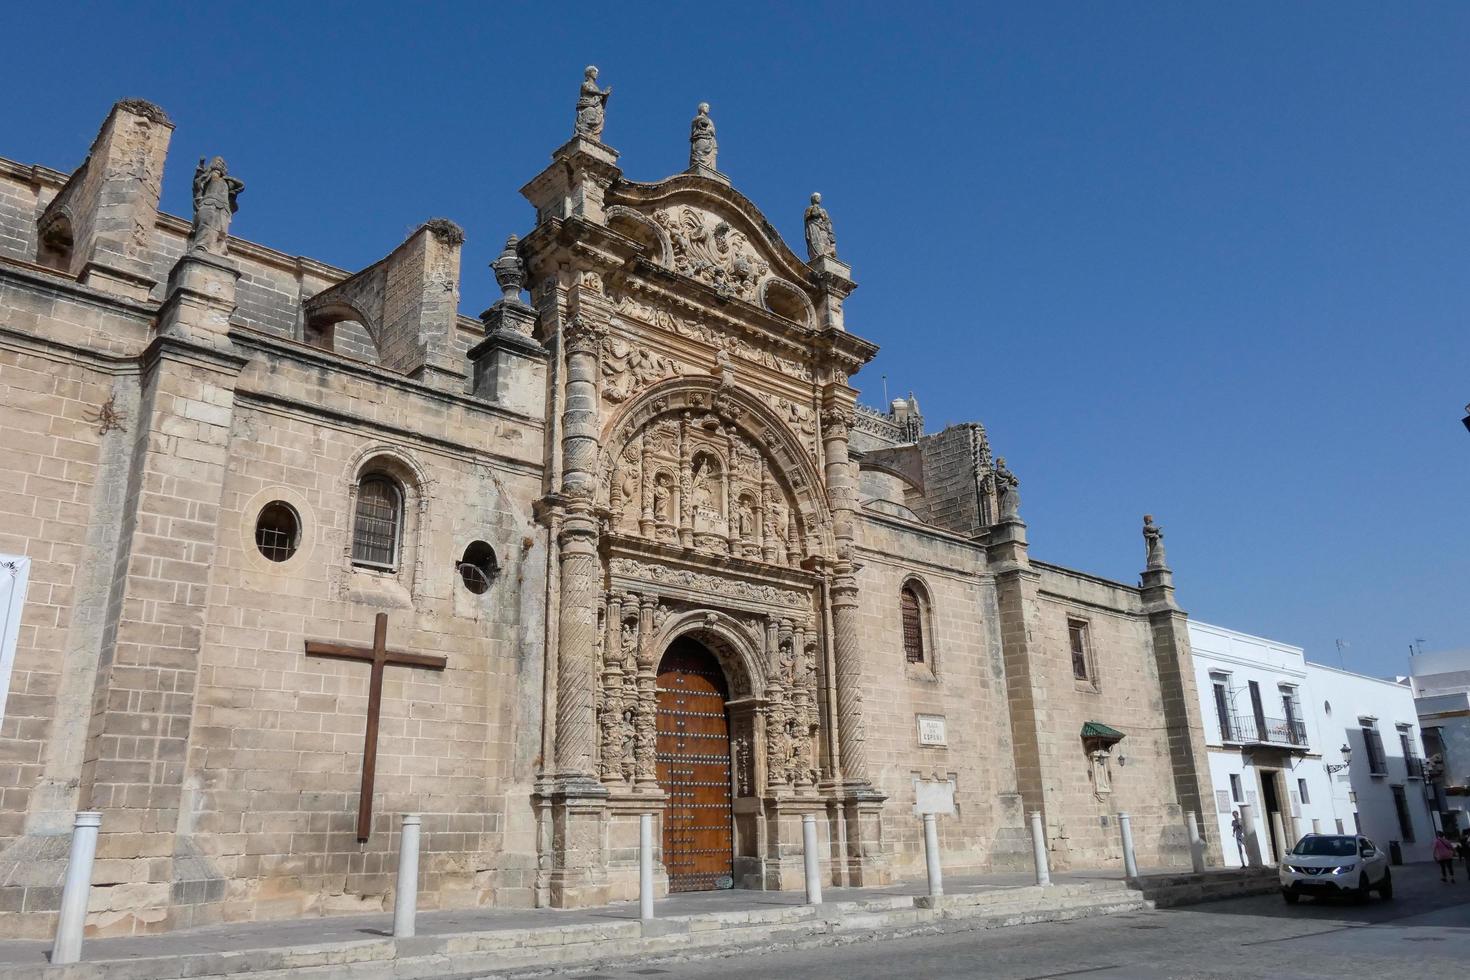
x=911 y=608
x=377 y=526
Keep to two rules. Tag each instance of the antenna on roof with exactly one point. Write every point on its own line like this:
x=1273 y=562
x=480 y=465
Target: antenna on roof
x=1341 y=645
x=885 y=391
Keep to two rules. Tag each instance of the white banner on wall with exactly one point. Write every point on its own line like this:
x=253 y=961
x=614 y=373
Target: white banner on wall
x=14 y=569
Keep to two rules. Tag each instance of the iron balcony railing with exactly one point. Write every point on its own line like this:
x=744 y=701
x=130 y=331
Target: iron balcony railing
x=1253 y=730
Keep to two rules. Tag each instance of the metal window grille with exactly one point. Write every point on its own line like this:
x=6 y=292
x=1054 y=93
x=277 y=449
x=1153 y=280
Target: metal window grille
x=276 y=532
x=1077 y=633
x=913 y=632
x=1373 y=743
x=379 y=520
x=1406 y=822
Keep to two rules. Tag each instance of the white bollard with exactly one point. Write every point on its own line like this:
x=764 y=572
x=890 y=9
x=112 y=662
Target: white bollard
x=406 y=891
x=1196 y=845
x=1130 y=863
x=645 y=866
x=1038 y=849
x=931 y=856
x=72 y=921
x=810 y=857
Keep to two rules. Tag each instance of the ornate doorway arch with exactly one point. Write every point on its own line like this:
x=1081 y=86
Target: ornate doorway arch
x=694 y=771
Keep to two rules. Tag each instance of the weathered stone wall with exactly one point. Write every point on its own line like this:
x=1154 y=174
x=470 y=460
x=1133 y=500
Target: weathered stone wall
x=963 y=681
x=1124 y=693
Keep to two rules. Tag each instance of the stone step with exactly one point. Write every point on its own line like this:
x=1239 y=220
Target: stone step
x=517 y=949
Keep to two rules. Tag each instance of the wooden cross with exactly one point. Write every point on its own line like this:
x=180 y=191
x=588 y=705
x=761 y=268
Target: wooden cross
x=379 y=656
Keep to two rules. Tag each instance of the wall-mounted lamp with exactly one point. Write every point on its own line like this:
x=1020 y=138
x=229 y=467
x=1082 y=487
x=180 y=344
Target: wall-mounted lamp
x=1347 y=758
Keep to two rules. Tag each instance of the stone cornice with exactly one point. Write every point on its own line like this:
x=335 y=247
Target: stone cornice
x=52 y=283
x=248 y=338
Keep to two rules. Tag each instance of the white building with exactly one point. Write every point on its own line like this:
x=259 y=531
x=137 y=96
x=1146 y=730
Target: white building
x=1275 y=723
x=1385 y=787
x=1441 y=685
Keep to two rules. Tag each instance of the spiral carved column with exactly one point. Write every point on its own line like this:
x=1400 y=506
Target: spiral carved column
x=576 y=695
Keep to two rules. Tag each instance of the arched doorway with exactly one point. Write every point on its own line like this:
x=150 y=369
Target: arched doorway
x=693 y=765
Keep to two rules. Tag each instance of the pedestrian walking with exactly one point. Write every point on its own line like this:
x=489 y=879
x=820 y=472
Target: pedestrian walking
x=1238 y=832
x=1444 y=853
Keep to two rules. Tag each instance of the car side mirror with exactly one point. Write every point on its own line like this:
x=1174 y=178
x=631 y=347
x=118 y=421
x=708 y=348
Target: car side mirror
x=1367 y=852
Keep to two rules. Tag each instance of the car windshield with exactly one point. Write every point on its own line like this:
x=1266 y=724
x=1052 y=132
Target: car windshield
x=1327 y=846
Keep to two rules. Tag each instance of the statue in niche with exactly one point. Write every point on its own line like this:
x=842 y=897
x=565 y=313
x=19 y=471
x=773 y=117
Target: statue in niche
x=629 y=729
x=1009 y=490
x=702 y=144
x=776 y=522
x=216 y=196
x=591 y=106
x=809 y=664
x=746 y=519
x=788 y=663
x=662 y=492
x=1153 y=540
x=630 y=645
x=820 y=239
x=628 y=487
x=704 y=478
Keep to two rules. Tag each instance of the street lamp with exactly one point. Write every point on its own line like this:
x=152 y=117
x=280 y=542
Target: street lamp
x=1347 y=758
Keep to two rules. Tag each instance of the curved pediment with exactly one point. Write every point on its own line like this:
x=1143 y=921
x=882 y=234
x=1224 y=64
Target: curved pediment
x=703 y=229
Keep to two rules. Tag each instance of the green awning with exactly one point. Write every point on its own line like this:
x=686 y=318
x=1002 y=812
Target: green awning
x=1096 y=729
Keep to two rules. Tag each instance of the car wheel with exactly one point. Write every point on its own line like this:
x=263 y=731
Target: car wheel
x=1385 y=887
x=1291 y=897
x=1361 y=895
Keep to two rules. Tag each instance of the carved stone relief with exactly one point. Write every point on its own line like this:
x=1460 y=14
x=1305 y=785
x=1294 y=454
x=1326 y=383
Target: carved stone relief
x=629 y=368
x=691 y=325
x=714 y=584
x=708 y=249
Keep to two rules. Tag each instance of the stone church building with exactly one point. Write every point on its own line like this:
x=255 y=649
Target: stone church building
x=639 y=549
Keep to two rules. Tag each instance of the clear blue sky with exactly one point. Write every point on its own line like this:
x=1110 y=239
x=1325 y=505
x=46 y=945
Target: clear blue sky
x=1208 y=261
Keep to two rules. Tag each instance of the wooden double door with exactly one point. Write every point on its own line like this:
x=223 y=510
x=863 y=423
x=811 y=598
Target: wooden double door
x=693 y=759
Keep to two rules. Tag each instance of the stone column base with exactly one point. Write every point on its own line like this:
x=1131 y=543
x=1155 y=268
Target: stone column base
x=577 y=869
x=868 y=862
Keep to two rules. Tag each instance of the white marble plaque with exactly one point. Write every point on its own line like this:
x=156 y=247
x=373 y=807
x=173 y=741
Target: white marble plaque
x=931 y=729
x=934 y=796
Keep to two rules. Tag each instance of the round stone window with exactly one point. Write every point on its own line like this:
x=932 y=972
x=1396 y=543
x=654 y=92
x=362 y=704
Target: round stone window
x=277 y=530
x=478 y=568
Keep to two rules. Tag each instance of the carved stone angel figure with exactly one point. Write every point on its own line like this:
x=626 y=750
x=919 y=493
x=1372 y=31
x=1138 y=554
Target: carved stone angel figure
x=591 y=105
x=702 y=144
x=820 y=239
x=215 y=201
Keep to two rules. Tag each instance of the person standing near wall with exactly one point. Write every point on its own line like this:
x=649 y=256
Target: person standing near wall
x=1238 y=832
x=1444 y=853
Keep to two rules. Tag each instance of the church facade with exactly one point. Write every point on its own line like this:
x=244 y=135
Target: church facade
x=306 y=549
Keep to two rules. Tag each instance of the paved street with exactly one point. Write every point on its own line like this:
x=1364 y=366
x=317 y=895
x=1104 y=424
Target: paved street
x=1424 y=932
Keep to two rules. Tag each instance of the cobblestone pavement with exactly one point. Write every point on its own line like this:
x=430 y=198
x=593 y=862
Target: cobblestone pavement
x=1423 y=932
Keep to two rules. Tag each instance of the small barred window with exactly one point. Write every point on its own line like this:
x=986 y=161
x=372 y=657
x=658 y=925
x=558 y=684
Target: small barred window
x=379 y=522
x=277 y=531
x=913 y=630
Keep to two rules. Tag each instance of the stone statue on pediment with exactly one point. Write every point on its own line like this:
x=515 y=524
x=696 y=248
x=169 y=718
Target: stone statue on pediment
x=216 y=196
x=1008 y=488
x=1153 y=542
x=821 y=241
x=591 y=106
x=702 y=144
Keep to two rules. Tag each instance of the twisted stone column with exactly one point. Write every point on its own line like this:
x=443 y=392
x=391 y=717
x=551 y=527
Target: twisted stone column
x=846 y=628
x=576 y=694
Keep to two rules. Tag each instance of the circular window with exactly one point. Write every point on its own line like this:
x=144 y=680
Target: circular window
x=478 y=568
x=277 y=531
x=1327 y=708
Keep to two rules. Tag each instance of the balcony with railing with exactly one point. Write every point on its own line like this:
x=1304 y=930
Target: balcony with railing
x=1259 y=730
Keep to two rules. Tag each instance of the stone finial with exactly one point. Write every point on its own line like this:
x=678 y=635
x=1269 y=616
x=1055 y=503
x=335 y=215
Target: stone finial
x=591 y=106
x=216 y=196
x=510 y=272
x=702 y=144
x=1153 y=542
x=820 y=239
x=1008 y=488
